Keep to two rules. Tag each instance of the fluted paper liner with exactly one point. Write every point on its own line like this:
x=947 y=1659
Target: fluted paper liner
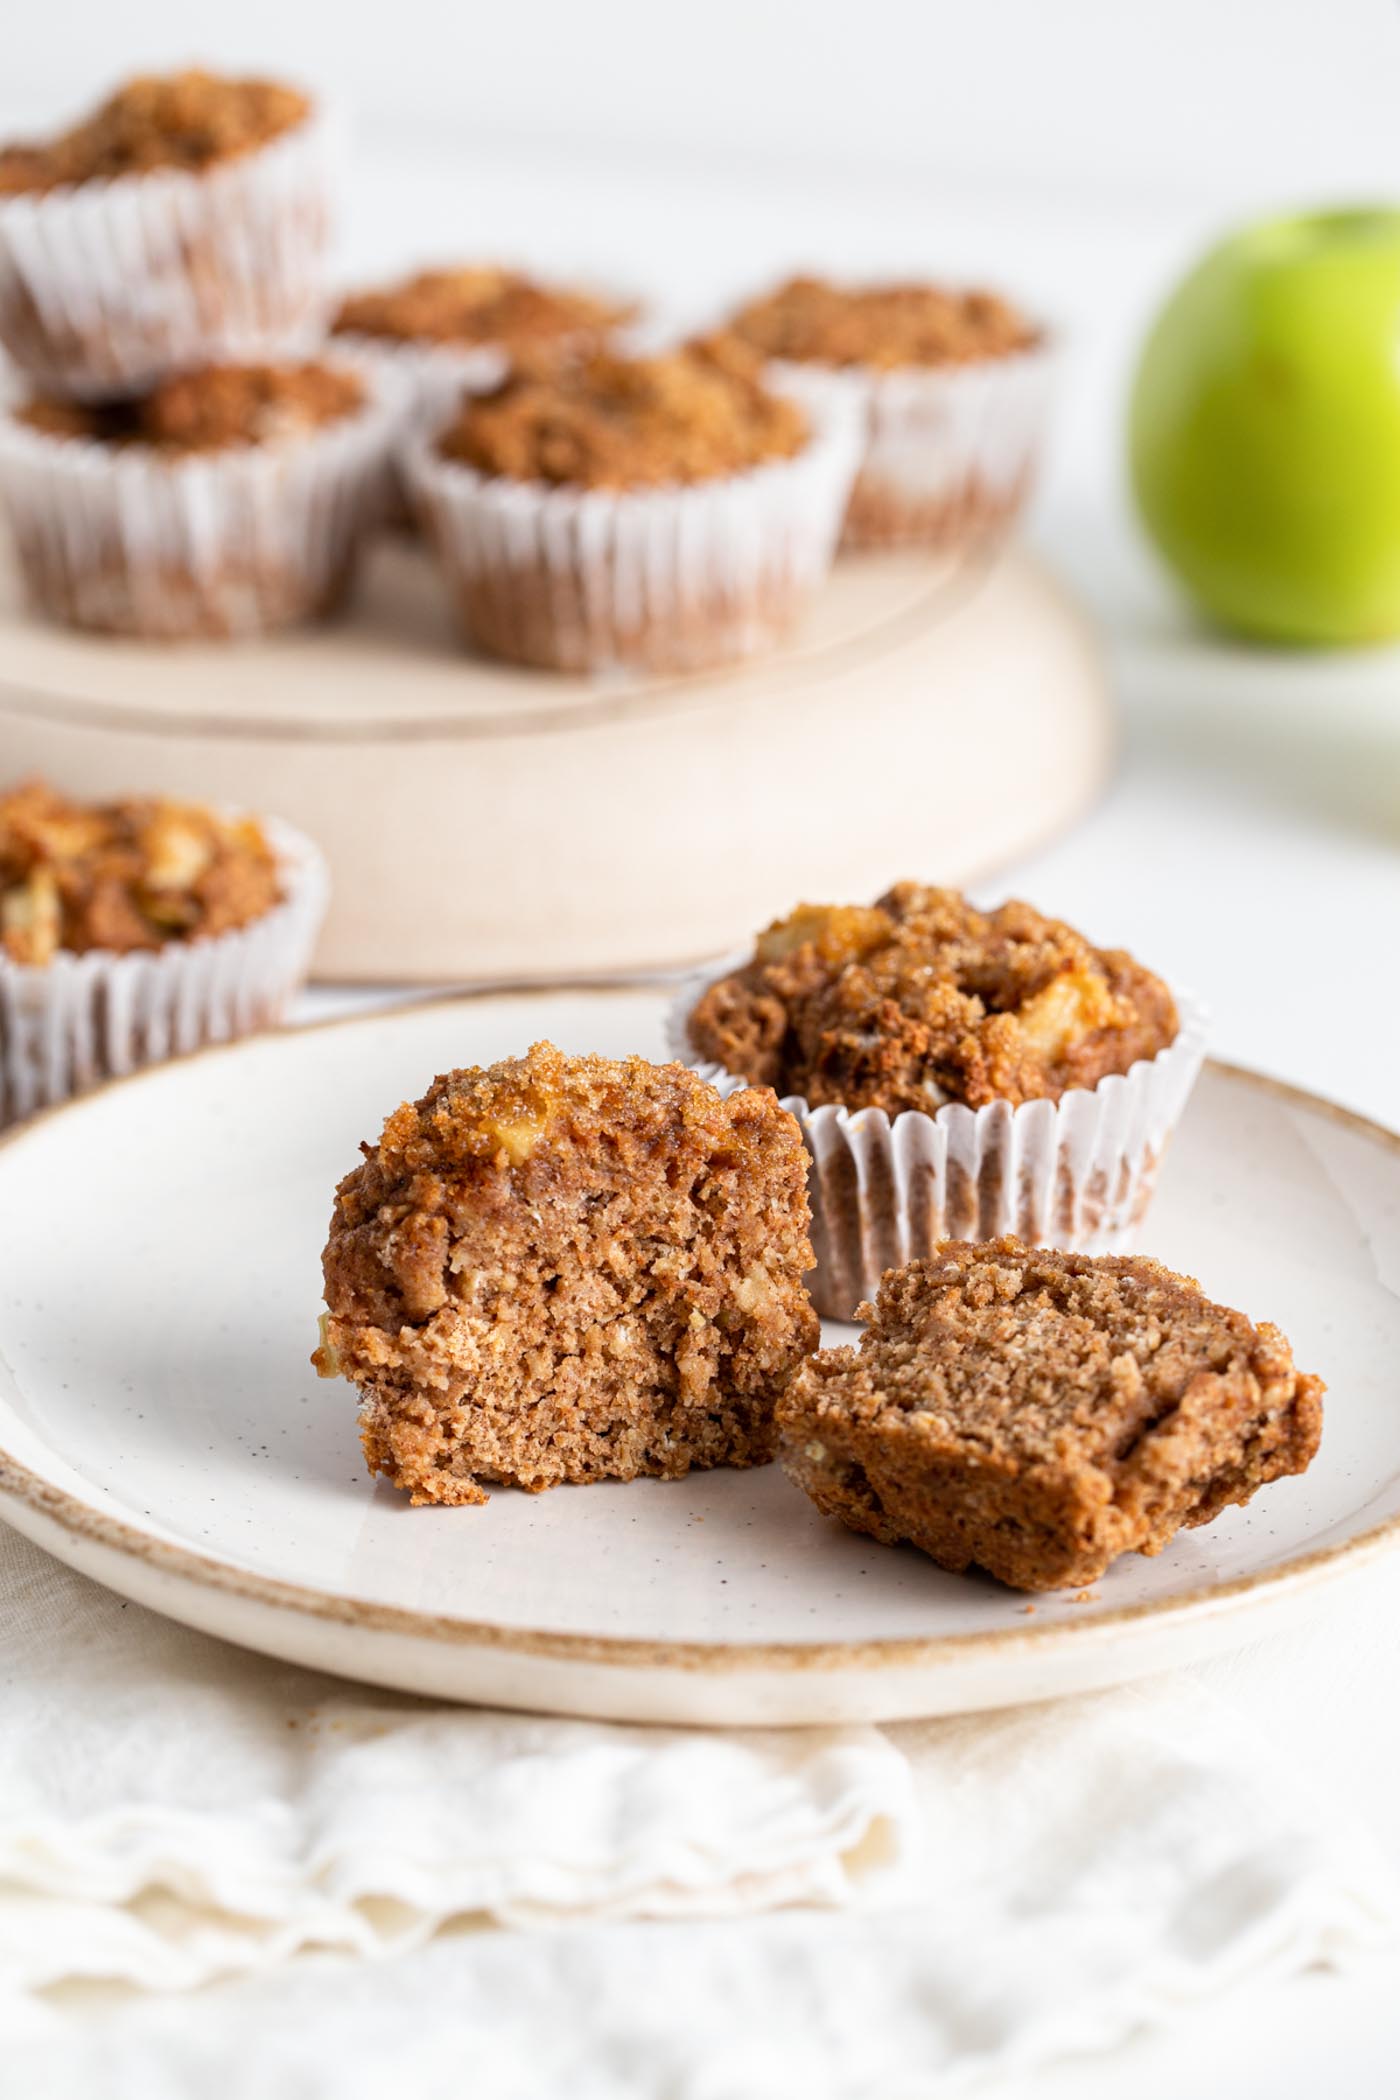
x=107 y=286
x=669 y=579
x=1078 y=1173
x=950 y=451
x=67 y=1024
x=235 y=542
x=428 y=381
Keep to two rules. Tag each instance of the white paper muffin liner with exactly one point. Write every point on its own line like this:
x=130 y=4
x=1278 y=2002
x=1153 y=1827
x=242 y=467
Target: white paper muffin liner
x=950 y=452
x=235 y=542
x=672 y=579
x=427 y=381
x=1078 y=1173
x=107 y=286
x=70 y=1023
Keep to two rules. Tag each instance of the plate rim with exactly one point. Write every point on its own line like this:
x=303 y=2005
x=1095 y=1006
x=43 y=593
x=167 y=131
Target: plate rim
x=57 y=1508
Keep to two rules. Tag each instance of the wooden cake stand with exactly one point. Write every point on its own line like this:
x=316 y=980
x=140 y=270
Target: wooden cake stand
x=484 y=822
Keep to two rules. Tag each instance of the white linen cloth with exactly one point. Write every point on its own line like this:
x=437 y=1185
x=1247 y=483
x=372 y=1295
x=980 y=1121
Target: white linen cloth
x=352 y=1884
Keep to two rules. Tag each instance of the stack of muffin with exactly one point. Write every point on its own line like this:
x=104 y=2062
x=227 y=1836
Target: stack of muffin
x=592 y=509
x=179 y=467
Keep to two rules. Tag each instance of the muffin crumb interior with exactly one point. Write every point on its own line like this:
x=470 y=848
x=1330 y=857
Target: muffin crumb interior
x=1038 y=1413
x=569 y=1269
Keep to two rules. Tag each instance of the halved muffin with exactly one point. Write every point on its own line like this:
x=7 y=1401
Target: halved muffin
x=569 y=1269
x=1038 y=1414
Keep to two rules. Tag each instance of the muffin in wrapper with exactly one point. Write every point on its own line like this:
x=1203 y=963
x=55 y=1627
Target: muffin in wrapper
x=226 y=543
x=658 y=579
x=950 y=451
x=107 y=285
x=1076 y=1173
x=425 y=381
x=67 y=1024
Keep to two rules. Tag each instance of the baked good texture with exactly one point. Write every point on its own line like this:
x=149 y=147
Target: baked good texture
x=569 y=1269
x=1038 y=1414
x=883 y=326
x=952 y=389
x=608 y=422
x=185 y=222
x=185 y=120
x=476 y=306
x=921 y=999
x=654 y=515
x=206 y=410
x=228 y=500
x=125 y=875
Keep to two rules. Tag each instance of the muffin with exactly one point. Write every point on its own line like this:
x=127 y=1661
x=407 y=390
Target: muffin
x=957 y=1074
x=952 y=388
x=224 y=502
x=1038 y=1414
x=449 y=329
x=139 y=927
x=569 y=1269
x=641 y=514
x=126 y=242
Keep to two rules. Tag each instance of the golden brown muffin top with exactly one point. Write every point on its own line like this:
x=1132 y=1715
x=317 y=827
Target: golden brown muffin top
x=210 y=409
x=517 y=1147
x=478 y=304
x=1042 y=1357
x=176 y=120
x=921 y=999
x=629 y=422
x=134 y=873
x=884 y=326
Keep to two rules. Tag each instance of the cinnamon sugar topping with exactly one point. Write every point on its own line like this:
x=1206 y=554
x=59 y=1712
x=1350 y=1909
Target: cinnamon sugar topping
x=181 y=120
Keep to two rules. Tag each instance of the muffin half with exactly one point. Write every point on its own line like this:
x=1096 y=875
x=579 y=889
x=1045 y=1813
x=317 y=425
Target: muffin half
x=569 y=1269
x=1039 y=1414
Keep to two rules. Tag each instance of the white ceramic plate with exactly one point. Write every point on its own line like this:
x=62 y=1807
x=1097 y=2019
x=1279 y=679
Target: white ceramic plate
x=161 y=1429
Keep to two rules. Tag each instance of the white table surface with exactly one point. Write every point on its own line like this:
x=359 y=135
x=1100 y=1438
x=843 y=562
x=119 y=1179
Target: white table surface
x=1249 y=846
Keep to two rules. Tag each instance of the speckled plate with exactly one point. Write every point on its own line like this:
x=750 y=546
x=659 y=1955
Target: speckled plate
x=161 y=1429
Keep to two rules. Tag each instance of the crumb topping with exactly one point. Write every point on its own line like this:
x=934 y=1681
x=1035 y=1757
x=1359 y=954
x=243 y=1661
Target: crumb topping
x=569 y=1268
x=124 y=875
x=478 y=304
x=921 y=999
x=622 y=422
x=179 y=120
x=884 y=326
x=211 y=409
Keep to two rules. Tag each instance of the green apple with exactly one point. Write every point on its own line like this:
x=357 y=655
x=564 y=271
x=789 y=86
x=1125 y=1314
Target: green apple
x=1265 y=429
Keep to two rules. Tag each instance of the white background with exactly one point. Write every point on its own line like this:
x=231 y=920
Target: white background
x=1078 y=151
